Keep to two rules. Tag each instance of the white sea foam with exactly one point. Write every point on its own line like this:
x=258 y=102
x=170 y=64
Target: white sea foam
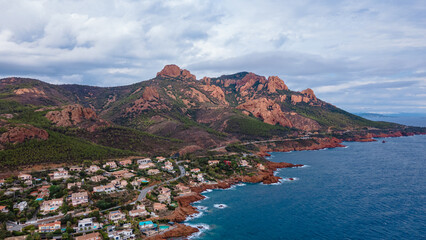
x=201 y=229
x=240 y=184
x=206 y=191
x=345 y=146
x=233 y=187
x=194 y=216
x=201 y=208
x=283 y=180
x=220 y=206
x=305 y=166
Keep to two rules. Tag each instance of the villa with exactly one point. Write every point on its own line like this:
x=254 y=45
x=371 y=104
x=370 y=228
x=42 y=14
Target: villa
x=87 y=224
x=61 y=174
x=168 y=166
x=161 y=159
x=159 y=207
x=94 y=169
x=213 y=162
x=25 y=177
x=49 y=227
x=77 y=184
x=260 y=166
x=125 y=162
x=146 y=165
x=76 y=169
x=116 y=215
x=97 y=178
x=91 y=236
x=146 y=225
x=121 y=173
x=51 y=205
x=21 y=206
x=121 y=234
x=138 y=213
x=3 y=209
x=112 y=165
x=164 y=198
x=108 y=188
x=79 y=198
x=144 y=161
x=153 y=171
x=195 y=170
x=183 y=189
x=244 y=163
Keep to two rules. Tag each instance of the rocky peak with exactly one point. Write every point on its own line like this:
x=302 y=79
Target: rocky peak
x=174 y=72
x=309 y=93
x=275 y=83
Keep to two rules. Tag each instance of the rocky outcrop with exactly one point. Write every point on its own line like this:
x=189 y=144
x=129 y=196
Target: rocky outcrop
x=21 y=133
x=301 y=122
x=173 y=71
x=275 y=83
x=150 y=100
x=216 y=92
x=268 y=110
x=309 y=93
x=179 y=231
x=298 y=98
x=76 y=115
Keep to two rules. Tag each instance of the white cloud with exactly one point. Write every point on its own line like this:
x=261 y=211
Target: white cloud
x=338 y=48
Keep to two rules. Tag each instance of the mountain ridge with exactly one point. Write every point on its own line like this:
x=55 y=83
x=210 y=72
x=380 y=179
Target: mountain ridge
x=176 y=113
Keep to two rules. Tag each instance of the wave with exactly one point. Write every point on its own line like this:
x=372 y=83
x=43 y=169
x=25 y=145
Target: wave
x=304 y=166
x=201 y=208
x=220 y=206
x=202 y=227
x=207 y=191
x=240 y=184
x=194 y=216
x=283 y=180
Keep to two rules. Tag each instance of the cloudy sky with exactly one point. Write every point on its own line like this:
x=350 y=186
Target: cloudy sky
x=363 y=56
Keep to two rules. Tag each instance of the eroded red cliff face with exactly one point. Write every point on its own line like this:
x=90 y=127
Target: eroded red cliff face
x=268 y=110
x=76 y=115
x=174 y=71
x=21 y=133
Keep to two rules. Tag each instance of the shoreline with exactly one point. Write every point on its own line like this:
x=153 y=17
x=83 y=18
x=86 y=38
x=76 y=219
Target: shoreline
x=266 y=177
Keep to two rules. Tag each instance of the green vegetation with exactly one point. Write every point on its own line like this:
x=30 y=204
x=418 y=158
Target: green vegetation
x=58 y=148
x=252 y=128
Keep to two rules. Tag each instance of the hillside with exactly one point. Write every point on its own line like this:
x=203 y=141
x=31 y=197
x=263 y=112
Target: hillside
x=171 y=113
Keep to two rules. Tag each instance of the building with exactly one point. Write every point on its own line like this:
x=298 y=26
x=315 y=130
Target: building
x=260 y=166
x=49 y=227
x=121 y=173
x=77 y=184
x=182 y=189
x=21 y=206
x=121 y=234
x=90 y=236
x=112 y=165
x=97 y=178
x=158 y=207
x=161 y=159
x=107 y=188
x=62 y=174
x=79 y=198
x=76 y=169
x=3 y=209
x=51 y=205
x=25 y=177
x=213 y=162
x=94 y=169
x=164 y=190
x=87 y=224
x=116 y=216
x=168 y=166
x=144 y=161
x=125 y=162
x=2 y=181
x=138 y=213
x=146 y=225
x=244 y=163
x=146 y=165
x=195 y=170
x=153 y=171
x=200 y=177
x=138 y=181
x=164 y=198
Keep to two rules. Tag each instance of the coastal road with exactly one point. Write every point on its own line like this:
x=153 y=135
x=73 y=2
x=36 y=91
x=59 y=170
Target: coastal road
x=143 y=192
x=11 y=226
x=254 y=142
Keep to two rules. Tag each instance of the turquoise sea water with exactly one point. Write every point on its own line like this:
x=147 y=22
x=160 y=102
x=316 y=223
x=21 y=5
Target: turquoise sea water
x=365 y=191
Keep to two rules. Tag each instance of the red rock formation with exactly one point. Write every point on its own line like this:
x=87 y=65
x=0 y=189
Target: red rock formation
x=150 y=100
x=174 y=72
x=181 y=230
x=267 y=110
x=21 y=133
x=216 y=92
x=309 y=93
x=275 y=83
x=150 y=94
x=75 y=115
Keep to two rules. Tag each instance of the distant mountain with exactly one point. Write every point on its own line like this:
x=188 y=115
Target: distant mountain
x=171 y=113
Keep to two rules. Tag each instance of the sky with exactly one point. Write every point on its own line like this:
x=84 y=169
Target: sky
x=362 y=56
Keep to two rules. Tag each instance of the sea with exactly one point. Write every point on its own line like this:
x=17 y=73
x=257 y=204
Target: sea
x=370 y=190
